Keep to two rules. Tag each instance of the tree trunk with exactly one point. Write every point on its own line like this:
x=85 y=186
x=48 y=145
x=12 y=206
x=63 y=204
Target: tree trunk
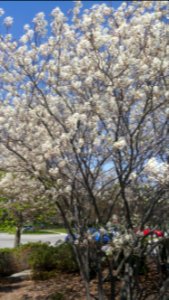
x=17 y=236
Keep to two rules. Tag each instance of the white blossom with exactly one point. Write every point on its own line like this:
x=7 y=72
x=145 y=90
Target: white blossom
x=1 y=12
x=119 y=144
x=8 y=21
x=40 y=24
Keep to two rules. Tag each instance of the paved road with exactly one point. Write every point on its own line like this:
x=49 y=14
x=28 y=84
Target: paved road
x=7 y=240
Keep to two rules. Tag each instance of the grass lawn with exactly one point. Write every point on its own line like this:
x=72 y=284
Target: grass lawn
x=46 y=231
x=12 y=230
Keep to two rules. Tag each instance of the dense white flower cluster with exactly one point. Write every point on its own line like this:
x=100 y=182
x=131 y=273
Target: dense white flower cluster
x=157 y=170
x=11 y=186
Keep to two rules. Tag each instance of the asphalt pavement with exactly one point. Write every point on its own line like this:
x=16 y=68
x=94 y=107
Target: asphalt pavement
x=7 y=240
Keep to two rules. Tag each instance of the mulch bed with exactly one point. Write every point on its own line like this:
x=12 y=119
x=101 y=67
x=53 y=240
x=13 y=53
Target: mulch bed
x=70 y=287
x=65 y=286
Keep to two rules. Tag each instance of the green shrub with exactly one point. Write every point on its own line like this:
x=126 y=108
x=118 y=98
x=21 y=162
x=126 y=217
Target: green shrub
x=7 y=262
x=65 y=259
x=22 y=255
x=44 y=260
x=47 y=258
x=14 y=260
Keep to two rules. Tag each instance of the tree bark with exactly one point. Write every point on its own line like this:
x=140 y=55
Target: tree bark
x=17 y=241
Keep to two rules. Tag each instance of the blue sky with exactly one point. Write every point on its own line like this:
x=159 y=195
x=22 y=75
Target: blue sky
x=24 y=11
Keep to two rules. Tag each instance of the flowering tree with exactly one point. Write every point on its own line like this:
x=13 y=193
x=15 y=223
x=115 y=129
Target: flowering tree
x=23 y=200
x=85 y=109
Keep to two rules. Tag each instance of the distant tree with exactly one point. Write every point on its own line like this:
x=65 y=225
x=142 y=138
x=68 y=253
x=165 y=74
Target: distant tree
x=23 y=201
